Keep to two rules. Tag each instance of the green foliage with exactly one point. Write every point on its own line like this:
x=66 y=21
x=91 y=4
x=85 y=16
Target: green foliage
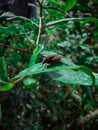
x=74 y=77
x=69 y=4
x=30 y=83
x=6 y=87
x=58 y=95
x=34 y=57
x=39 y=68
x=3 y=69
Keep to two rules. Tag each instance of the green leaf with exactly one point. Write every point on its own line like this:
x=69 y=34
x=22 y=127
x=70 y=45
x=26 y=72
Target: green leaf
x=40 y=68
x=96 y=78
x=74 y=77
x=92 y=19
x=34 y=57
x=87 y=90
x=70 y=4
x=67 y=62
x=3 y=70
x=6 y=87
x=54 y=1
x=88 y=78
x=2 y=82
x=9 y=30
x=30 y=83
x=0 y=112
x=57 y=2
x=87 y=71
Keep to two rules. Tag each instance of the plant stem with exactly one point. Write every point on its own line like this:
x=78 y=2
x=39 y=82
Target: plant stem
x=39 y=31
x=40 y=23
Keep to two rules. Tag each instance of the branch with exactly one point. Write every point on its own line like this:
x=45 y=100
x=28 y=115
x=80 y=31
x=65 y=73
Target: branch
x=14 y=48
x=88 y=117
x=18 y=80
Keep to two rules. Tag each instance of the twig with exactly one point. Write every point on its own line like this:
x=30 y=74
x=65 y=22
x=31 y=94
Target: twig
x=39 y=31
x=39 y=3
x=18 y=80
x=14 y=48
x=88 y=117
x=40 y=23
